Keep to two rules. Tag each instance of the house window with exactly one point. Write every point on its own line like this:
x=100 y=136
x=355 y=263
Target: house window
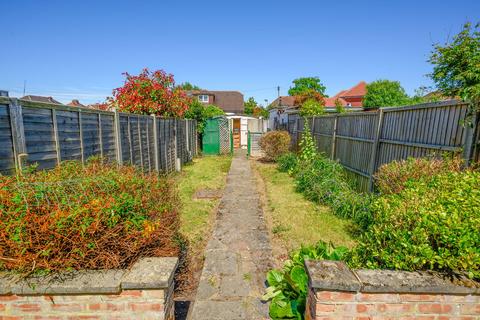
x=203 y=98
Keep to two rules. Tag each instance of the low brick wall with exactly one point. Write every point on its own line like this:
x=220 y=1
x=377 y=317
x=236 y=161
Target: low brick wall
x=337 y=292
x=144 y=292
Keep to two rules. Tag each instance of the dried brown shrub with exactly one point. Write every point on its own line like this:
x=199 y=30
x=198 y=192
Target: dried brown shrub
x=95 y=216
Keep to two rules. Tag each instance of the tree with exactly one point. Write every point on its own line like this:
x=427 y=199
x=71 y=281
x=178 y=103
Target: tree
x=250 y=106
x=151 y=93
x=201 y=113
x=260 y=111
x=456 y=65
x=384 y=93
x=309 y=95
x=188 y=86
x=302 y=85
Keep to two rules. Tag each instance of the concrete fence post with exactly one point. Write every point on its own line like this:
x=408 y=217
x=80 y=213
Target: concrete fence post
x=80 y=126
x=156 y=149
x=118 y=138
x=57 y=138
x=175 y=134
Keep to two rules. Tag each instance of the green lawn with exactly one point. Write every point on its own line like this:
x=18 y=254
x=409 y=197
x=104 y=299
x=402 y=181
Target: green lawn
x=292 y=219
x=196 y=215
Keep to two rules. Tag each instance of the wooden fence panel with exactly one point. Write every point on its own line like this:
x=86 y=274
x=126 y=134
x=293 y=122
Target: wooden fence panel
x=7 y=155
x=323 y=134
x=107 y=126
x=91 y=135
x=68 y=127
x=125 y=139
x=364 y=141
x=421 y=131
x=354 y=144
x=39 y=137
x=46 y=134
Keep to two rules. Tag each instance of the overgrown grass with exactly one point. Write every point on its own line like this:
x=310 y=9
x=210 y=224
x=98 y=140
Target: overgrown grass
x=295 y=220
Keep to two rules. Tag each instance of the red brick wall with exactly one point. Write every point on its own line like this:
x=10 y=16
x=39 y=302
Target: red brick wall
x=129 y=304
x=323 y=305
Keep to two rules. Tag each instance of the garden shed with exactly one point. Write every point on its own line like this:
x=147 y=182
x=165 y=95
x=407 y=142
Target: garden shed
x=216 y=136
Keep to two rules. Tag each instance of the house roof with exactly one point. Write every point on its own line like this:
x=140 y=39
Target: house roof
x=40 y=99
x=75 y=103
x=359 y=90
x=228 y=101
x=283 y=101
x=330 y=102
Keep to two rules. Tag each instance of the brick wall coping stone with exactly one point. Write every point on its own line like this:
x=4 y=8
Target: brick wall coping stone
x=147 y=273
x=335 y=275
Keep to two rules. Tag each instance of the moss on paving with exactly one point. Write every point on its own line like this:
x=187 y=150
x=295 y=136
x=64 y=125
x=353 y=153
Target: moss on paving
x=293 y=220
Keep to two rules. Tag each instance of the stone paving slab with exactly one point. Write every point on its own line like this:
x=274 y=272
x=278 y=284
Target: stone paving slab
x=238 y=255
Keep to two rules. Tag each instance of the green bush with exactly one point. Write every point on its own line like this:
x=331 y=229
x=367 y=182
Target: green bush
x=431 y=224
x=287 y=162
x=394 y=176
x=288 y=287
x=274 y=144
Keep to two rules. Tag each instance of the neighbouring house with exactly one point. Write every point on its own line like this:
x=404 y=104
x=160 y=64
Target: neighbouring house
x=350 y=98
x=76 y=103
x=229 y=101
x=40 y=99
x=278 y=115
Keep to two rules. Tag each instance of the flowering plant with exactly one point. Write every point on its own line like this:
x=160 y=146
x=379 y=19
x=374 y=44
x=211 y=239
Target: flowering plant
x=151 y=93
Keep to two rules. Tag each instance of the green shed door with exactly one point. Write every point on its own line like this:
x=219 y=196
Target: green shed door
x=211 y=137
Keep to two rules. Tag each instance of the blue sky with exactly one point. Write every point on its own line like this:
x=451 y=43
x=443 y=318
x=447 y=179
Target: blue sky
x=79 y=49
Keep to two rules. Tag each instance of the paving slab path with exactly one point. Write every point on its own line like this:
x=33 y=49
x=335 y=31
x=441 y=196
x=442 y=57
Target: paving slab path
x=238 y=255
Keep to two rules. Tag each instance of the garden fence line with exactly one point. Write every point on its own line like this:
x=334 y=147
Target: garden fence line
x=46 y=134
x=363 y=141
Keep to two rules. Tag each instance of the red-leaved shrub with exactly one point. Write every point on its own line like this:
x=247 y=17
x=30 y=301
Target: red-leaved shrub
x=151 y=93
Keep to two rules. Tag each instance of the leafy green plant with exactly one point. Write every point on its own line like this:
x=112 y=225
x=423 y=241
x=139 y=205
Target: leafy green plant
x=324 y=181
x=288 y=287
x=308 y=150
x=275 y=144
x=312 y=107
x=430 y=224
